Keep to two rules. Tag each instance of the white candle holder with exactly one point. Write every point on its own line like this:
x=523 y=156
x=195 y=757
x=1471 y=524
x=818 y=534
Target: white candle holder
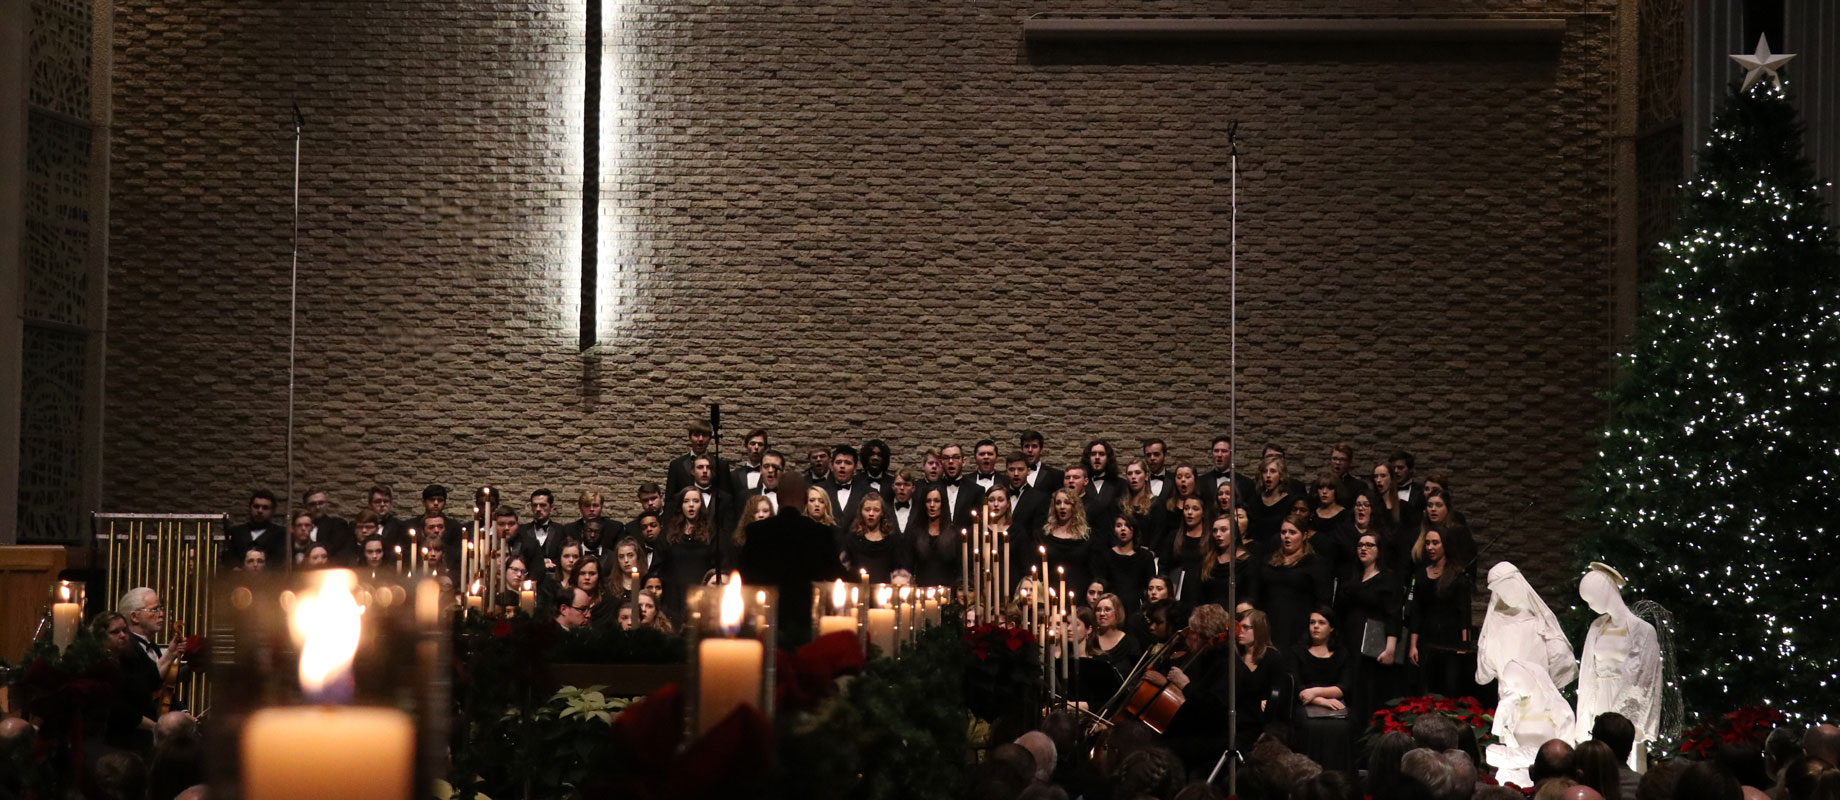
x=64 y=614
x=323 y=670
x=731 y=639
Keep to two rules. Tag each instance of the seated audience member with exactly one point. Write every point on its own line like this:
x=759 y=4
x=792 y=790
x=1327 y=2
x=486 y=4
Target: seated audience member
x=1802 y=777
x=1619 y=733
x=1149 y=772
x=1782 y=746
x=573 y=609
x=1594 y=764
x=1554 y=760
x=1659 y=781
x=1706 y=780
x=1383 y=775
x=1334 y=785
x=1823 y=742
x=121 y=776
x=1436 y=732
x=1431 y=768
x=1554 y=788
x=1008 y=770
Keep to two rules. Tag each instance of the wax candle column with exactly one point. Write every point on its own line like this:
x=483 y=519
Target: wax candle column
x=66 y=616
x=729 y=669
x=838 y=618
x=881 y=622
x=474 y=602
x=527 y=598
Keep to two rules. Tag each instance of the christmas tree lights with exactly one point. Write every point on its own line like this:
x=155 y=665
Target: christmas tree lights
x=1715 y=487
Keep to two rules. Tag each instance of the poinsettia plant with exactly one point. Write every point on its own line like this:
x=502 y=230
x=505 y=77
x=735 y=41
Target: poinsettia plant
x=1401 y=713
x=1004 y=671
x=1748 y=725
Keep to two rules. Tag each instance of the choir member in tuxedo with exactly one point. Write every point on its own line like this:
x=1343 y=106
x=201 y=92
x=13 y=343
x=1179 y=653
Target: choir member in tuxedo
x=1042 y=478
x=505 y=524
x=746 y=475
x=845 y=487
x=1347 y=485
x=651 y=501
x=1400 y=464
x=589 y=504
x=300 y=537
x=383 y=504
x=434 y=504
x=1292 y=582
x=682 y=471
x=329 y=529
x=792 y=552
x=962 y=494
x=542 y=531
x=1181 y=553
x=594 y=538
x=1223 y=558
x=905 y=508
x=1068 y=537
x=755 y=509
x=1125 y=568
x=259 y=532
x=985 y=466
x=1028 y=510
x=1273 y=502
x=1140 y=503
x=935 y=542
x=1221 y=452
x=364 y=526
x=1156 y=468
x=1104 y=488
x=932 y=471
x=718 y=504
x=872 y=544
x=690 y=549
x=144 y=659
x=772 y=465
x=817 y=465
x=876 y=463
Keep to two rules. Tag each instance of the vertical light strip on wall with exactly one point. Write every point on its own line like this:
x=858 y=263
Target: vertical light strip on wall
x=591 y=178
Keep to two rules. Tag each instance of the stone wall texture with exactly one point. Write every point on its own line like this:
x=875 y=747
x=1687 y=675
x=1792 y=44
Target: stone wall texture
x=847 y=220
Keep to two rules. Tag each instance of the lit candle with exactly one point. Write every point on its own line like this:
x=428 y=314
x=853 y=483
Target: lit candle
x=964 y=560
x=728 y=669
x=473 y=601
x=415 y=555
x=1005 y=565
x=905 y=620
x=838 y=620
x=527 y=599
x=404 y=565
x=347 y=752
x=881 y=622
x=65 y=617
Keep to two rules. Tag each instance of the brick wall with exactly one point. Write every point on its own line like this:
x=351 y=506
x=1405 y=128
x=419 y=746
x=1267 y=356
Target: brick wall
x=842 y=221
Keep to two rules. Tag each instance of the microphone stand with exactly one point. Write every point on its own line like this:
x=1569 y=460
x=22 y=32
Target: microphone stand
x=1229 y=759
x=300 y=122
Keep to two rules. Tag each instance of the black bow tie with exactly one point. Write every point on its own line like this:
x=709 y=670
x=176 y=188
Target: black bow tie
x=898 y=505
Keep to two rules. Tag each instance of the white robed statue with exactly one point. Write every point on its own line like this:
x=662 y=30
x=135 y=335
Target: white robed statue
x=1622 y=661
x=1531 y=713
x=1519 y=627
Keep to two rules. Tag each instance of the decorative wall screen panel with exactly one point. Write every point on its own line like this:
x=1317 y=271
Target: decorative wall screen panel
x=62 y=32
x=57 y=220
x=54 y=369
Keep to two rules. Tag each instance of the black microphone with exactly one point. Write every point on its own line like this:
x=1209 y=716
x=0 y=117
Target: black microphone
x=299 y=120
x=715 y=416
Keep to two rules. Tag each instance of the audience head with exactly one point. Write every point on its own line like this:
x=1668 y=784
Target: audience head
x=1744 y=760
x=1149 y=772
x=1579 y=791
x=1617 y=731
x=1595 y=765
x=1008 y=770
x=1042 y=748
x=174 y=725
x=1823 y=742
x=1802 y=776
x=1326 y=786
x=1705 y=780
x=1497 y=793
x=1554 y=760
x=1659 y=781
x=1782 y=746
x=1429 y=767
x=1553 y=788
x=1436 y=732
x=1383 y=766
x=121 y=775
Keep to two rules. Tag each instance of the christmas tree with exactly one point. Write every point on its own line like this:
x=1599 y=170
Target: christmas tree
x=1717 y=486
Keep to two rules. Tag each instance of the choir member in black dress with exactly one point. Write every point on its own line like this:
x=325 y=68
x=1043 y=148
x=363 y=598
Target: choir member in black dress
x=650 y=616
x=1181 y=556
x=690 y=550
x=1324 y=671
x=1330 y=512
x=630 y=563
x=1290 y=583
x=1274 y=502
x=1141 y=504
x=873 y=546
x=757 y=508
x=1108 y=640
x=1332 y=529
x=1068 y=539
x=935 y=543
x=1219 y=561
x=1372 y=600
x=1124 y=567
x=818 y=507
x=517 y=573
x=1157 y=590
x=997 y=519
x=1388 y=505
x=1440 y=612
x=1437 y=512
x=567 y=559
x=1185 y=485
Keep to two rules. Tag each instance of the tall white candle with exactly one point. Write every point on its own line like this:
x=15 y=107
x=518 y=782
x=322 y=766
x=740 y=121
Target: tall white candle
x=66 y=616
x=728 y=670
x=881 y=622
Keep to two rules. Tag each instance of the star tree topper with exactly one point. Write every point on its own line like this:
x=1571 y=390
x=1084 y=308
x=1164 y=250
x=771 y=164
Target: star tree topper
x=1762 y=62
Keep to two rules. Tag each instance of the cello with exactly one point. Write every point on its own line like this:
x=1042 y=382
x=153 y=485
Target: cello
x=1139 y=699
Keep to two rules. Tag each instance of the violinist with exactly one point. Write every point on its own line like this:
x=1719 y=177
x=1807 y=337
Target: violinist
x=1198 y=730
x=147 y=665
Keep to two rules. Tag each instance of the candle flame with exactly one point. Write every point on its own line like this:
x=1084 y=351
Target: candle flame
x=476 y=588
x=883 y=595
x=733 y=607
x=528 y=585
x=326 y=625
x=64 y=591
x=840 y=596
x=906 y=592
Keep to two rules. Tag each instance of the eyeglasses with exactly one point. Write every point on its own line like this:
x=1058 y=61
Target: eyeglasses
x=582 y=609
x=154 y=610
x=1367 y=544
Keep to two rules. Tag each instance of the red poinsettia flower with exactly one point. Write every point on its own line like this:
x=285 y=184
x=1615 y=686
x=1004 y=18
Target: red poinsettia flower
x=728 y=761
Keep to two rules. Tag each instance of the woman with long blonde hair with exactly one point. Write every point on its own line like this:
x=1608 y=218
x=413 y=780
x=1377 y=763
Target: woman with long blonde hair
x=1067 y=541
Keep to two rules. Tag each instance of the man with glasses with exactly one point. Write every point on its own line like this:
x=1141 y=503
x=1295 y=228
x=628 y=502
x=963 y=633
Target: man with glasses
x=573 y=609
x=259 y=533
x=144 y=661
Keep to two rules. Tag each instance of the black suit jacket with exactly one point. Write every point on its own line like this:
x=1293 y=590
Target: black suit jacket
x=1048 y=479
x=1027 y=514
x=338 y=535
x=883 y=485
x=738 y=479
x=970 y=498
x=790 y=551
x=1244 y=489
x=1102 y=508
x=845 y=512
x=550 y=547
x=682 y=473
x=916 y=518
x=239 y=539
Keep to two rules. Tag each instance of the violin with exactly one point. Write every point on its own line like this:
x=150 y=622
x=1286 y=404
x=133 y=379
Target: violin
x=169 y=677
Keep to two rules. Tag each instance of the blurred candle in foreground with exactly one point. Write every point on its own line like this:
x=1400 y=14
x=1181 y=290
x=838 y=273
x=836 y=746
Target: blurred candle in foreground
x=728 y=669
